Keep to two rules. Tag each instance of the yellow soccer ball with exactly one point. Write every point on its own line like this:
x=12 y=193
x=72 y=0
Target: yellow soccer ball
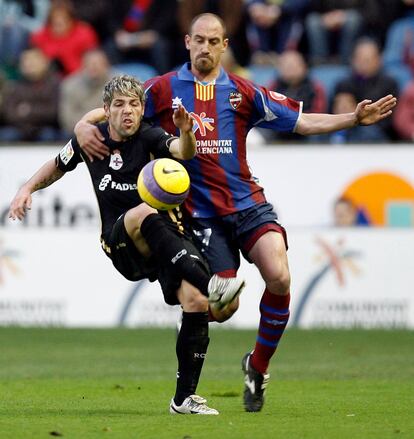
x=163 y=184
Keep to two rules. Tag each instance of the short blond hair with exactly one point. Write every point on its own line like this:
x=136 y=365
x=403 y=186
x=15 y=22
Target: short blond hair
x=124 y=85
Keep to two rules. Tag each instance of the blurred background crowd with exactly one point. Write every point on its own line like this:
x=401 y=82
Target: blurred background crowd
x=56 y=55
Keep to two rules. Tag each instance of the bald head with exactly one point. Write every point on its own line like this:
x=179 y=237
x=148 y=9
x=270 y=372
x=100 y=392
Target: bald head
x=211 y=20
x=206 y=43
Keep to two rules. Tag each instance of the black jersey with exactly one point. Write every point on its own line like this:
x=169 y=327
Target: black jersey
x=114 y=178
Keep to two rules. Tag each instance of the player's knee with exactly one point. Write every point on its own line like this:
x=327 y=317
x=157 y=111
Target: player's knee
x=191 y=299
x=279 y=283
x=135 y=216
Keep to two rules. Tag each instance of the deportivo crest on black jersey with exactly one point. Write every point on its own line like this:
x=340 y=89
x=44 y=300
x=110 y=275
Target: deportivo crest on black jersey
x=114 y=178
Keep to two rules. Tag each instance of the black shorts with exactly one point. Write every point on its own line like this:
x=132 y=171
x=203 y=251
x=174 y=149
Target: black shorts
x=125 y=257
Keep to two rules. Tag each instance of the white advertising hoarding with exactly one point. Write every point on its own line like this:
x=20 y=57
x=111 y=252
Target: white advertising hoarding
x=340 y=278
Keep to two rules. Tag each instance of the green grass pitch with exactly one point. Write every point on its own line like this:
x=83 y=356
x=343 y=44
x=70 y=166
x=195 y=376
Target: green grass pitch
x=85 y=384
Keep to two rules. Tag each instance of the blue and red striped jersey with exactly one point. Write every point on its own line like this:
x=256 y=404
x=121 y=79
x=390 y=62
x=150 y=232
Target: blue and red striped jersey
x=223 y=112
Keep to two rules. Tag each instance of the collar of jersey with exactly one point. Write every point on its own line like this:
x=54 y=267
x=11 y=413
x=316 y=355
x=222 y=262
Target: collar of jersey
x=185 y=74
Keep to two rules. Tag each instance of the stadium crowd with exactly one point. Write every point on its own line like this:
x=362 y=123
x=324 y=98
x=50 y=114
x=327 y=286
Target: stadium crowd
x=56 y=55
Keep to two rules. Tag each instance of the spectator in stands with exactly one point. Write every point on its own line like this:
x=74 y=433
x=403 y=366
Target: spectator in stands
x=347 y=213
x=106 y=17
x=294 y=82
x=30 y=104
x=234 y=15
x=275 y=26
x=82 y=91
x=64 y=38
x=367 y=81
x=376 y=22
x=148 y=34
x=344 y=102
x=17 y=20
x=404 y=114
x=330 y=21
x=399 y=45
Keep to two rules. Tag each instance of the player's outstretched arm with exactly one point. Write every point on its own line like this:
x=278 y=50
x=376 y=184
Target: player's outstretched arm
x=89 y=137
x=44 y=177
x=366 y=113
x=183 y=148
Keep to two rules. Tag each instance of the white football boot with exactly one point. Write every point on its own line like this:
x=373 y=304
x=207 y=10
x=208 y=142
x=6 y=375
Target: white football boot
x=223 y=290
x=192 y=405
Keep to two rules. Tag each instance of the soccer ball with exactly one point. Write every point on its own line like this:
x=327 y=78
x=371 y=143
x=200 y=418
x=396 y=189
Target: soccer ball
x=163 y=184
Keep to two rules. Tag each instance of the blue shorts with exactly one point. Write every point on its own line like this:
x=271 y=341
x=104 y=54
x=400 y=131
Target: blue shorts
x=220 y=239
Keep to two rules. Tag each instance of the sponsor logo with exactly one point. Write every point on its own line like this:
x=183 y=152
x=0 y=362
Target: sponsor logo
x=107 y=179
x=235 y=99
x=336 y=258
x=202 y=123
x=197 y=355
x=391 y=206
x=170 y=171
x=116 y=161
x=7 y=262
x=66 y=153
x=179 y=255
x=219 y=146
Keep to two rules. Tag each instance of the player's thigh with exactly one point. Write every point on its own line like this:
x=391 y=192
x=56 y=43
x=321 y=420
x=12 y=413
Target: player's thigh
x=269 y=255
x=125 y=257
x=133 y=219
x=215 y=243
x=263 y=241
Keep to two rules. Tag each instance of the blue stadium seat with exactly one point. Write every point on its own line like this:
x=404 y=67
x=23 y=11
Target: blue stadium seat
x=262 y=74
x=141 y=71
x=329 y=75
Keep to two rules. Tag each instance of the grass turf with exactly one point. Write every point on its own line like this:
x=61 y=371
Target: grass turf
x=88 y=384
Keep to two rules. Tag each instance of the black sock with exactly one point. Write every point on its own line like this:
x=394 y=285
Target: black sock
x=191 y=348
x=169 y=247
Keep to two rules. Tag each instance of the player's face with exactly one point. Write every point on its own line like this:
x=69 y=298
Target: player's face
x=206 y=44
x=124 y=116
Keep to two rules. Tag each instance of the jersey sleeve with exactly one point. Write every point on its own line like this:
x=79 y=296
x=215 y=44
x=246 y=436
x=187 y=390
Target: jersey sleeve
x=159 y=141
x=69 y=156
x=275 y=111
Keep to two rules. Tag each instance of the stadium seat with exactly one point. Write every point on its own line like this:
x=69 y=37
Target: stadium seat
x=262 y=74
x=141 y=71
x=329 y=75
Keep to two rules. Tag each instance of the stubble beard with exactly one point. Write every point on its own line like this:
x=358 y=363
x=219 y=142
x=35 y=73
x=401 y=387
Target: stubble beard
x=204 y=65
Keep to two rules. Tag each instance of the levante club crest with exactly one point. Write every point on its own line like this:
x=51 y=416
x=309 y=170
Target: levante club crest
x=235 y=99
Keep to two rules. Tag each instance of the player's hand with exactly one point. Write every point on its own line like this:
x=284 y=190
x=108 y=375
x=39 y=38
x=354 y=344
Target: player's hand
x=20 y=204
x=368 y=112
x=90 y=140
x=182 y=119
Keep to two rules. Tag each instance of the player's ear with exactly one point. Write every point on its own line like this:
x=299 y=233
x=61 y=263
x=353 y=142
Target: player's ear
x=106 y=109
x=225 y=44
x=187 y=39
